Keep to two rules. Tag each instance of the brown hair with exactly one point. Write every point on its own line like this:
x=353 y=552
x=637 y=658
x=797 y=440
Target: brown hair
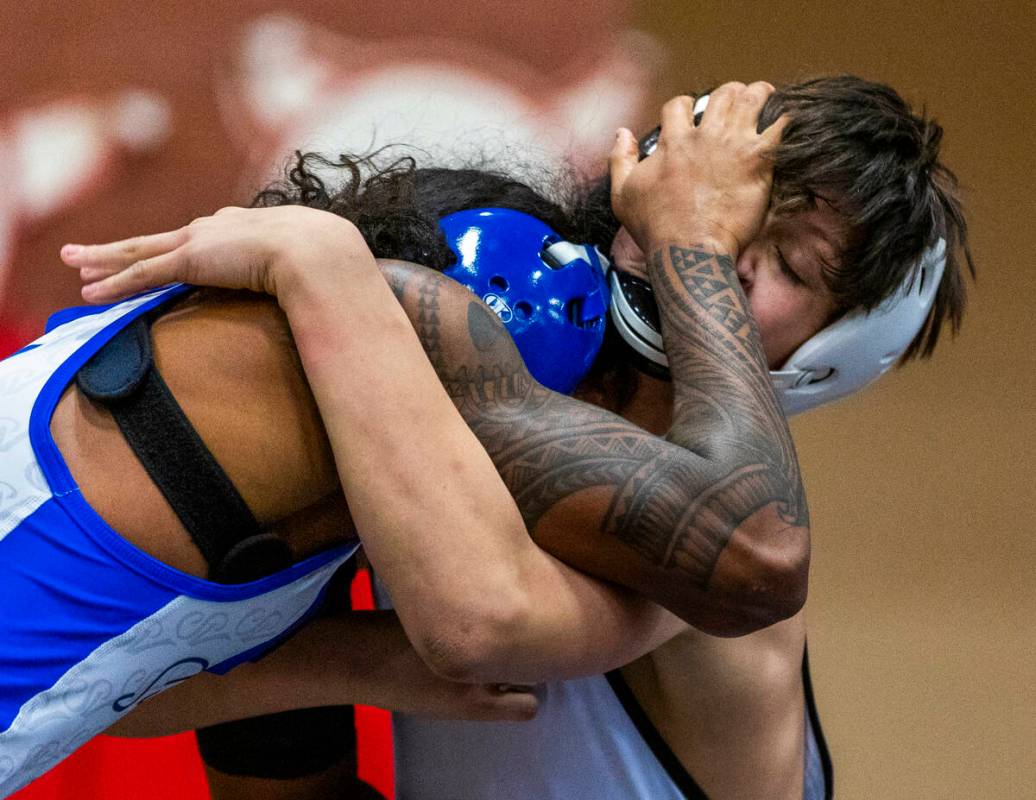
x=857 y=145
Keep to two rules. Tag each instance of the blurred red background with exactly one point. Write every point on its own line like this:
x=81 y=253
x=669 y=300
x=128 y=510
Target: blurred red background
x=119 y=118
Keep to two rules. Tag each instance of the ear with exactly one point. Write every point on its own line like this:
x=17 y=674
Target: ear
x=627 y=255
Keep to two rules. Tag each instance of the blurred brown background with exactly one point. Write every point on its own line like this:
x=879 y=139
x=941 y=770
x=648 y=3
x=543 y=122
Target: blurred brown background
x=923 y=593
x=923 y=598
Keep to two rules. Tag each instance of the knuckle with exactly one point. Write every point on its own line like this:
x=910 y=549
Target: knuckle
x=129 y=248
x=674 y=104
x=138 y=269
x=759 y=90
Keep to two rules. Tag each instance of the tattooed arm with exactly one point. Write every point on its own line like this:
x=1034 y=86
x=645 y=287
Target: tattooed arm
x=710 y=522
x=655 y=515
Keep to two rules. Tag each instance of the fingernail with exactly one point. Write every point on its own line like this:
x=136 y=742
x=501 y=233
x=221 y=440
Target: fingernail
x=71 y=250
x=515 y=688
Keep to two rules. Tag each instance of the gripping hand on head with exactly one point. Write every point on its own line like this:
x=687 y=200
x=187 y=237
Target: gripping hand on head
x=268 y=250
x=707 y=183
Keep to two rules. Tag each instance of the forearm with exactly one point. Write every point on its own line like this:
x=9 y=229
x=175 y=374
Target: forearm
x=347 y=659
x=571 y=626
x=725 y=410
x=332 y=661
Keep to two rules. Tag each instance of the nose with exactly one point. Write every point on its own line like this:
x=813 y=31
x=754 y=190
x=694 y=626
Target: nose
x=746 y=268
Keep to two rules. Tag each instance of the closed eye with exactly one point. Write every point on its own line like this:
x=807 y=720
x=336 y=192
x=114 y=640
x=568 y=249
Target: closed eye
x=786 y=269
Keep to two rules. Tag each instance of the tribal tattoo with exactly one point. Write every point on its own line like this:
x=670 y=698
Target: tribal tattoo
x=675 y=501
x=724 y=400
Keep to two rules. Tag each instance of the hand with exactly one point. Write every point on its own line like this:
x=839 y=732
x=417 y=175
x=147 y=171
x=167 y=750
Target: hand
x=258 y=249
x=710 y=183
x=407 y=685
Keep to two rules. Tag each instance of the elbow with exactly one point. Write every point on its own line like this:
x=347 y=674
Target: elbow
x=758 y=584
x=475 y=644
x=781 y=583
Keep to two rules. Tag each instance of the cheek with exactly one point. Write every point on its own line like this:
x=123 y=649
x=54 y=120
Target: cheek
x=783 y=324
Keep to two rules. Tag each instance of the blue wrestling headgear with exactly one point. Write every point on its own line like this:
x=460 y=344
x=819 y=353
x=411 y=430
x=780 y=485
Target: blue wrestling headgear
x=551 y=295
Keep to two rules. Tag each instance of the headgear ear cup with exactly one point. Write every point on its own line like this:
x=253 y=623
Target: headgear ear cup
x=646 y=146
x=634 y=314
x=551 y=295
x=861 y=346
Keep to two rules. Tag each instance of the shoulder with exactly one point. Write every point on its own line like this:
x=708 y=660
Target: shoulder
x=229 y=359
x=447 y=315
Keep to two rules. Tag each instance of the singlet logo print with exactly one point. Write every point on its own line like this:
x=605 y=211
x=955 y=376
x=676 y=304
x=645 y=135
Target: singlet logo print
x=43 y=756
x=152 y=635
x=14 y=381
x=175 y=673
x=34 y=477
x=11 y=433
x=258 y=624
x=83 y=698
x=197 y=628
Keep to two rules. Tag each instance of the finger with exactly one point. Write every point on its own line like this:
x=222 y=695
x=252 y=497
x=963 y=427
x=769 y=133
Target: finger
x=119 y=255
x=147 y=274
x=504 y=688
x=94 y=274
x=721 y=101
x=749 y=103
x=677 y=117
x=511 y=705
x=771 y=137
x=622 y=160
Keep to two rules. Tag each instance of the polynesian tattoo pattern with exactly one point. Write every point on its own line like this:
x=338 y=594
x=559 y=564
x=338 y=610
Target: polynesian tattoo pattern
x=723 y=397
x=672 y=501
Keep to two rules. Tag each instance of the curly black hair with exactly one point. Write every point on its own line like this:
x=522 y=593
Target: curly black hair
x=397 y=205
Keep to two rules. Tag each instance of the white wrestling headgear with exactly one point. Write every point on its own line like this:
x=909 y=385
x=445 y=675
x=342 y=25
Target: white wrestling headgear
x=840 y=359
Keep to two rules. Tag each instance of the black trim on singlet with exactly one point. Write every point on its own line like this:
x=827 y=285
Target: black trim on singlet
x=671 y=764
x=818 y=732
x=649 y=733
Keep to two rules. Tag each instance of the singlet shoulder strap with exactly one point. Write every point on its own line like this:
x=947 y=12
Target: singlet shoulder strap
x=672 y=765
x=124 y=378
